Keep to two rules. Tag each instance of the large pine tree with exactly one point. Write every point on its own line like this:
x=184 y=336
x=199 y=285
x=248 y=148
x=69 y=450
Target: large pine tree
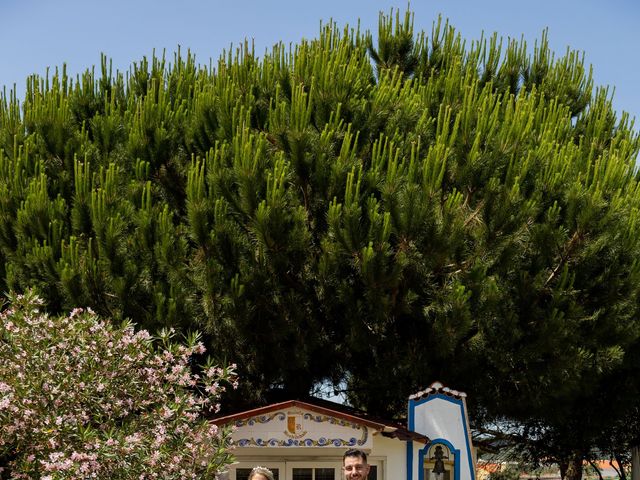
x=375 y=213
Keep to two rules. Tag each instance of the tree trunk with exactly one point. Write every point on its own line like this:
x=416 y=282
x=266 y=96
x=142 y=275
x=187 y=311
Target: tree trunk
x=574 y=469
x=620 y=469
x=594 y=465
x=563 y=469
x=635 y=463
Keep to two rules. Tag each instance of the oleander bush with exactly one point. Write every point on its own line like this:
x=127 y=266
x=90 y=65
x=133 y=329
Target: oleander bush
x=81 y=398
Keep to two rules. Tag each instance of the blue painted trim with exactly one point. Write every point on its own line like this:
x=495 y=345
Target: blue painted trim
x=411 y=421
x=411 y=424
x=456 y=457
x=410 y=460
x=441 y=396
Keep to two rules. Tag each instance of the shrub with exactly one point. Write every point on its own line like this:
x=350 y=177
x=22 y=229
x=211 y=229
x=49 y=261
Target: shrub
x=81 y=398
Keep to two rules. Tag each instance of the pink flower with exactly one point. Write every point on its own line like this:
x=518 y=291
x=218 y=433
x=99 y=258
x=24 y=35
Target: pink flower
x=4 y=403
x=84 y=357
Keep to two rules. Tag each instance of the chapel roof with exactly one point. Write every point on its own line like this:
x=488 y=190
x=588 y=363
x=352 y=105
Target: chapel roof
x=387 y=428
x=437 y=388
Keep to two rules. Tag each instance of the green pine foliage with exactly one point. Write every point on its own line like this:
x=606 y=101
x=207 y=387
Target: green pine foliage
x=388 y=212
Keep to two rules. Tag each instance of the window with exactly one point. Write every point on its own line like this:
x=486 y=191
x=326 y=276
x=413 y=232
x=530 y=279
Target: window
x=324 y=474
x=373 y=473
x=314 y=474
x=299 y=470
x=313 y=470
x=302 y=474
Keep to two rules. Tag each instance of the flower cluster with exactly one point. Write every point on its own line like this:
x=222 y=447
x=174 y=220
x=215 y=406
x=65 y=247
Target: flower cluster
x=81 y=398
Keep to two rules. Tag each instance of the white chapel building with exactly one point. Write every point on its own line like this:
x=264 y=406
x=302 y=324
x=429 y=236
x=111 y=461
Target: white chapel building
x=305 y=440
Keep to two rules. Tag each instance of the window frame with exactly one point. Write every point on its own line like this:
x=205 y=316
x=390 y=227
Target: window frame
x=313 y=464
x=285 y=467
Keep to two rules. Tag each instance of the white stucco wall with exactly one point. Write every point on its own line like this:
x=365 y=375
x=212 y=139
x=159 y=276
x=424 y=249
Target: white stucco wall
x=443 y=418
x=394 y=453
x=272 y=439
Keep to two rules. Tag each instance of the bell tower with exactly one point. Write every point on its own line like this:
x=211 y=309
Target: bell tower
x=440 y=413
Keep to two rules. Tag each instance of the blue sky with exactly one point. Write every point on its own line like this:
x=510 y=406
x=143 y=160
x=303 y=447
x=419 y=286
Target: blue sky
x=40 y=33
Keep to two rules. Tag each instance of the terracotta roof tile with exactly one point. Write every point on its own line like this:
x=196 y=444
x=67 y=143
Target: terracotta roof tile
x=435 y=388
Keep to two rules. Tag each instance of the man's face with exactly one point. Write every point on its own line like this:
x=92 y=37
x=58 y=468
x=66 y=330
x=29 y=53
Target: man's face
x=355 y=468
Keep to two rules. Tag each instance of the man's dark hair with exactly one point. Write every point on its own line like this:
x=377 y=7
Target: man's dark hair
x=354 y=452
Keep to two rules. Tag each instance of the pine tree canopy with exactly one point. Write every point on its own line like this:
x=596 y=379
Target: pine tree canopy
x=383 y=211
